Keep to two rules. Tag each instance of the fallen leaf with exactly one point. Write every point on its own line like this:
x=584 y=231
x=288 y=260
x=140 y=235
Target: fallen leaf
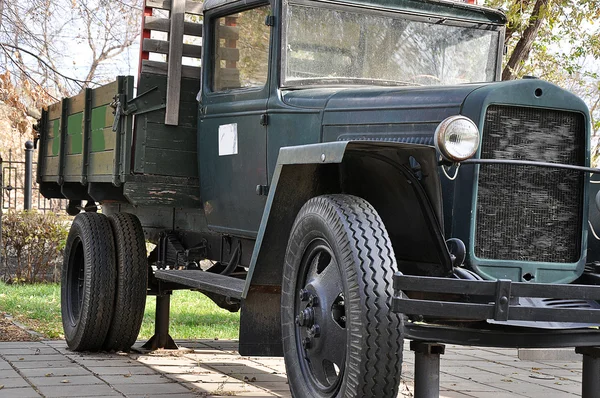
x=49 y=374
x=127 y=375
x=507 y=380
x=541 y=377
x=65 y=381
x=1 y=386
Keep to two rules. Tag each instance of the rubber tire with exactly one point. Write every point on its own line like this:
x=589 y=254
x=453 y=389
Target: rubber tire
x=131 y=283
x=366 y=260
x=89 y=250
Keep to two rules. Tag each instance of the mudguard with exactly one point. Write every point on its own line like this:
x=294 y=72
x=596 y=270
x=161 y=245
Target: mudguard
x=400 y=180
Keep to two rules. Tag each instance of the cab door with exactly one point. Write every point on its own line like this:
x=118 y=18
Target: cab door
x=232 y=132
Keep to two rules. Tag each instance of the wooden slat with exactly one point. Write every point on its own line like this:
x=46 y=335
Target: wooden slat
x=175 y=62
x=105 y=94
x=191 y=7
x=228 y=32
x=160 y=68
x=229 y=54
x=77 y=103
x=162 y=47
x=55 y=110
x=164 y=25
x=229 y=73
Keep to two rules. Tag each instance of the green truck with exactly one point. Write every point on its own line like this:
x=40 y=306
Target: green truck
x=348 y=174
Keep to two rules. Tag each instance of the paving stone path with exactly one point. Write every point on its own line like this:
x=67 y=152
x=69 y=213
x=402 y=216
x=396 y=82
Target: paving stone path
x=214 y=368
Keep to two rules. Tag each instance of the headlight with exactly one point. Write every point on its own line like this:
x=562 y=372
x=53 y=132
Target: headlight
x=457 y=138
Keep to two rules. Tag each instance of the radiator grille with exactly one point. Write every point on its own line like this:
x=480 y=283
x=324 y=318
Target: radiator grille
x=529 y=213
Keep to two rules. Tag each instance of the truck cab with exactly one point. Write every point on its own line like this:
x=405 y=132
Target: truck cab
x=347 y=174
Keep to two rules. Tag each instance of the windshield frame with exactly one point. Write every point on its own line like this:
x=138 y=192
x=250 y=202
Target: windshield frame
x=362 y=8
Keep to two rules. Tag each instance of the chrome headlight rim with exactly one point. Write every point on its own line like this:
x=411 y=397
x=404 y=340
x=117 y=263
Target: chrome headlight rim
x=440 y=134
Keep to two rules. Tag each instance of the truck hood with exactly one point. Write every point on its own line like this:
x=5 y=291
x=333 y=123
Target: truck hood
x=401 y=114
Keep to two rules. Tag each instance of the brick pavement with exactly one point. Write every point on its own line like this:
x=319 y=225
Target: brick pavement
x=214 y=368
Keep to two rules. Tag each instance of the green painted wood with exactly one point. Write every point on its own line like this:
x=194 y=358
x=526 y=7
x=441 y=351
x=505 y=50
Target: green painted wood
x=104 y=95
x=188 y=115
x=98 y=126
x=162 y=193
x=54 y=111
x=55 y=127
x=180 y=138
x=168 y=162
x=77 y=103
x=51 y=172
x=75 y=134
x=73 y=164
x=101 y=163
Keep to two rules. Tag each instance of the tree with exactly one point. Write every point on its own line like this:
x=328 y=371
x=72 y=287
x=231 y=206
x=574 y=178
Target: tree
x=54 y=48
x=556 y=40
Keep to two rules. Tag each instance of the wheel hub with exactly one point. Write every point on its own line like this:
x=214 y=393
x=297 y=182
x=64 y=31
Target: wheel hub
x=321 y=318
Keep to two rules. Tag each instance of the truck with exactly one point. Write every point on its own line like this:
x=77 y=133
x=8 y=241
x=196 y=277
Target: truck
x=346 y=173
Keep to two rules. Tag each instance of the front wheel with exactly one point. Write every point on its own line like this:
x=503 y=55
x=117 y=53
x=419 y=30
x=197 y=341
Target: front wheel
x=340 y=337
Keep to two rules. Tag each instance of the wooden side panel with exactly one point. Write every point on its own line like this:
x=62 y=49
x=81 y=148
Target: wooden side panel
x=50 y=146
x=167 y=150
x=74 y=139
x=78 y=144
x=102 y=138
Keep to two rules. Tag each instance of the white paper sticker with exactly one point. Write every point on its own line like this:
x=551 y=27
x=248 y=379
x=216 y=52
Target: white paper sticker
x=228 y=142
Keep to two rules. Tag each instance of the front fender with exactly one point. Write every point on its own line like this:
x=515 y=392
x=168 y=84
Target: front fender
x=400 y=180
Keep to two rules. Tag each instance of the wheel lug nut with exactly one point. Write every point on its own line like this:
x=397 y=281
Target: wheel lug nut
x=343 y=318
x=298 y=320
x=313 y=300
x=341 y=303
x=306 y=343
x=308 y=317
x=304 y=294
x=314 y=331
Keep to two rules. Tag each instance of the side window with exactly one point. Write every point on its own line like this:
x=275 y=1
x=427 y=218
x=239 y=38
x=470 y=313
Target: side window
x=242 y=50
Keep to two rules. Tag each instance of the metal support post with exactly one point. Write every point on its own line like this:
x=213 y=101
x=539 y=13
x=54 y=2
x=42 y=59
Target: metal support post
x=590 y=383
x=427 y=368
x=161 y=338
x=28 y=174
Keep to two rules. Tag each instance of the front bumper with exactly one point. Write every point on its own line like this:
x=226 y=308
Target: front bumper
x=500 y=306
x=496 y=302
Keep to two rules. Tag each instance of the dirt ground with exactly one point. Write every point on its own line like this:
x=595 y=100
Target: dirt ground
x=10 y=332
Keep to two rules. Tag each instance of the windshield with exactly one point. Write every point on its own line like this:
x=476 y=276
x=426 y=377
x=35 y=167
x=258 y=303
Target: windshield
x=327 y=46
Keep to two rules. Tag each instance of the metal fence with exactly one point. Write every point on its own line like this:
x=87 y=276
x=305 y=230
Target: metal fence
x=18 y=188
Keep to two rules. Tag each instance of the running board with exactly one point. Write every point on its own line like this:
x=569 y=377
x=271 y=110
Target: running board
x=205 y=281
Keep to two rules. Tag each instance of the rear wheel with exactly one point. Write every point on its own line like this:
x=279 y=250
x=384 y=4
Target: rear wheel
x=88 y=282
x=340 y=337
x=131 y=281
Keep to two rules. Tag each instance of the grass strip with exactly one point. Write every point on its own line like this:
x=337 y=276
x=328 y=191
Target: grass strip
x=193 y=315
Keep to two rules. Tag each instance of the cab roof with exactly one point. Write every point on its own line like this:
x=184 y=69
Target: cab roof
x=437 y=8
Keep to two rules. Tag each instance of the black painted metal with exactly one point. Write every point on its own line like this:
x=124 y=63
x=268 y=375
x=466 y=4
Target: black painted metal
x=488 y=288
x=507 y=337
x=13 y=171
x=161 y=338
x=427 y=368
x=590 y=383
x=500 y=292
x=28 y=174
x=205 y=281
x=260 y=322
